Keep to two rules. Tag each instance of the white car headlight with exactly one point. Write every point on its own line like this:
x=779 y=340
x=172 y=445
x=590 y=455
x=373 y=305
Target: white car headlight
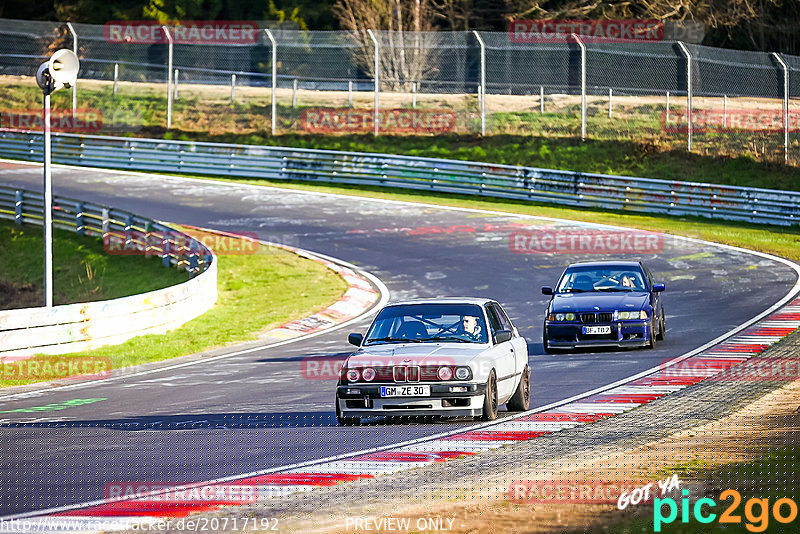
x=368 y=374
x=463 y=373
x=445 y=373
x=353 y=375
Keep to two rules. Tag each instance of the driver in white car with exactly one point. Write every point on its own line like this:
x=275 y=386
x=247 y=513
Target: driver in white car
x=470 y=327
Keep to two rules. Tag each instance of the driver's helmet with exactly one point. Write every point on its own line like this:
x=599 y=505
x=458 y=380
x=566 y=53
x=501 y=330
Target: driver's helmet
x=629 y=280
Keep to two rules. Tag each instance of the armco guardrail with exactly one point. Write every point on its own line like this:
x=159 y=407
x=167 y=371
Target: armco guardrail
x=567 y=188
x=84 y=326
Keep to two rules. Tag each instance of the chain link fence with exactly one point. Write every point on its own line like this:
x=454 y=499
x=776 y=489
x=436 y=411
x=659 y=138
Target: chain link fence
x=665 y=93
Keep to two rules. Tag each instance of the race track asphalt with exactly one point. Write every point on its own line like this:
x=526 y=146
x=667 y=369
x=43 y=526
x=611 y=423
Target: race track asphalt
x=258 y=410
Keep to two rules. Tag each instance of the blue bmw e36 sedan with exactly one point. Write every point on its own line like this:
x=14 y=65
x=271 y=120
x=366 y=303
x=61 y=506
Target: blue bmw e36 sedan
x=604 y=304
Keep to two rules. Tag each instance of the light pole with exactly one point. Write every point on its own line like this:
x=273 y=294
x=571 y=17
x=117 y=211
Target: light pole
x=60 y=71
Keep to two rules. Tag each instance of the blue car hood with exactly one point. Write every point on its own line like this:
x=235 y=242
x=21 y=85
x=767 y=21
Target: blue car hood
x=578 y=302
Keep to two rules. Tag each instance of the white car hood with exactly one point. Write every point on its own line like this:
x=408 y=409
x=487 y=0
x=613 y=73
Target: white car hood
x=417 y=354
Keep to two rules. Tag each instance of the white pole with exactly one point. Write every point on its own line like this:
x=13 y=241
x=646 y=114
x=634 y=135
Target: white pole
x=724 y=111
x=482 y=89
x=688 y=91
x=48 y=209
x=274 y=78
x=350 y=93
x=75 y=85
x=780 y=61
x=610 y=100
x=376 y=77
x=294 y=93
x=116 y=77
x=583 y=85
x=169 y=78
x=541 y=99
x=666 y=121
x=233 y=87
x=413 y=94
x=176 y=78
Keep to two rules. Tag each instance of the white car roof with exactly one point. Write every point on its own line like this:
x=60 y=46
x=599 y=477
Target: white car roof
x=480 y=301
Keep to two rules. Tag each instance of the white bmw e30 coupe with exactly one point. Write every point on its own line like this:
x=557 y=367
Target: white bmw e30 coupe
x=442 y=357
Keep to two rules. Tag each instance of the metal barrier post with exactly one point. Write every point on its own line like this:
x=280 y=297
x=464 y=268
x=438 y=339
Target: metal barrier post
x=583 y=85
x=18 y=207
x=274 y=78
x=79 y=227
x=233 y=87
x=74 y=85
x=785 y=69
x=482 y=87
x=376 y=78
x=688 y=91
x=610 y=101
x=116 y=77
x=294 y=93
x=176 y=78
x=169 y=77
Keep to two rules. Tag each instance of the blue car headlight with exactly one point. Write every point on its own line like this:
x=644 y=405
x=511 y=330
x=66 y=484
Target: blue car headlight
x=628 y=315
x=561 y=317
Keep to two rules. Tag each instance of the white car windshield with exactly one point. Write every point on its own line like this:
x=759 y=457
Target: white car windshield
x=427 y=323
x=610 y=279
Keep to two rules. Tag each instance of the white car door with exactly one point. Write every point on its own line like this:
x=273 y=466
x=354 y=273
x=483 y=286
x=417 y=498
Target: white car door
x=504 y=356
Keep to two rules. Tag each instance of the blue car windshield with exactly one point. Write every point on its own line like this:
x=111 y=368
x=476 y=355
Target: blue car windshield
x=601 y=279
x=428 y=323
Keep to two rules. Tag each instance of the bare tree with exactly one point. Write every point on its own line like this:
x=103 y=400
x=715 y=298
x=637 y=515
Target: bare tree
x=408 y=46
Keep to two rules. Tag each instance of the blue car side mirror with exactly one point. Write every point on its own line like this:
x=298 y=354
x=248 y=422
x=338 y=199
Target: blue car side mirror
x=547 y=290
x=659 y=287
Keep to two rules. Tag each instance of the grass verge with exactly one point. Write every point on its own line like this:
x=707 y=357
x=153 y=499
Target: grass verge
x=256 y=292
x=82 y=271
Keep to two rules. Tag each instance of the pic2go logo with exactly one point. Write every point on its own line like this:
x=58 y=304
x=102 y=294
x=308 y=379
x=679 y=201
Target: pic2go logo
x=756 y=511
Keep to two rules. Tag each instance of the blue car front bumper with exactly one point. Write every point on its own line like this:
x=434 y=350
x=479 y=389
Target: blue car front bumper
x=622 y=334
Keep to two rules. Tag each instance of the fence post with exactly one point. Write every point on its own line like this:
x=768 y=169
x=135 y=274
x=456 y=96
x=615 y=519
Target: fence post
x=294 y=93
x=780 y=62
x=116 y=77
x=666 y=119
x=583 y=85
x=413 y=94
x=274 y=77
x=233 y=88
x=541 y=99
x=350 y=93
x=176 y=77
x=75 y=84
x=376 y=77
x=482 y=90
x=690 y=126
x=724 y=111
x=610 y=100
x=169 y=77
